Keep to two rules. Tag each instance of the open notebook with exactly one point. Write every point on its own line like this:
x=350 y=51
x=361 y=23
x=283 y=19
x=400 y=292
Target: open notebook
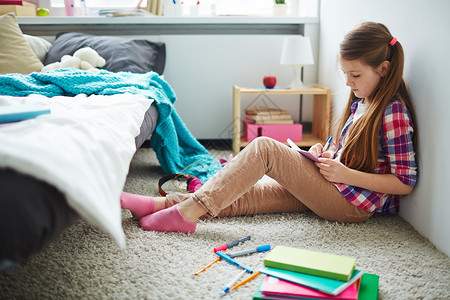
x=303 y=152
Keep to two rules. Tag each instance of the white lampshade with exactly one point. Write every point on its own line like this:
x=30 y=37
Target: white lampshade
x=296 y=52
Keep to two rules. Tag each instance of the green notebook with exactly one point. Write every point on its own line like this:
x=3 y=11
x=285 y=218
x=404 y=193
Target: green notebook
x=368 y=288
x=311 y=262
x=258 y=295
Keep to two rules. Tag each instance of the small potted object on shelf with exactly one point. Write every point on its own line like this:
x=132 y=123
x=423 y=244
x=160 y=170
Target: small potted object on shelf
x=279 y=8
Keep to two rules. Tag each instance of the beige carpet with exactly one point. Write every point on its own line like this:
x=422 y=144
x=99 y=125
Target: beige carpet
x=84 y=263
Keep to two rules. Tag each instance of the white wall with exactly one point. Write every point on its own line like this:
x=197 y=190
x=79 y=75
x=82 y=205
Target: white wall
x=422 y=28
x=202 y=70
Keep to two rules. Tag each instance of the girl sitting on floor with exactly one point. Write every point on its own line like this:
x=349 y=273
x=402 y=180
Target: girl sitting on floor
x=371 y=165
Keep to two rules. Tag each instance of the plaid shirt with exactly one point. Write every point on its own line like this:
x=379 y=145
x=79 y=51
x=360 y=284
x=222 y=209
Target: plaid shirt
x=395 y=156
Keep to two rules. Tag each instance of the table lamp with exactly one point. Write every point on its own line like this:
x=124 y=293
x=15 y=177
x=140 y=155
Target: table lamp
x=297 y=53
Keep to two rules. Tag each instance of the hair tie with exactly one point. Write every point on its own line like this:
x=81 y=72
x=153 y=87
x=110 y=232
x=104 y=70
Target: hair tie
x=393 y=41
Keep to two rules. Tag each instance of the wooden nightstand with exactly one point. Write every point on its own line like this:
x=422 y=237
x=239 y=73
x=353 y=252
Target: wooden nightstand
x=321 y=113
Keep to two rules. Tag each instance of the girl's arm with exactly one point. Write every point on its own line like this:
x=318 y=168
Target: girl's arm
x=399 y=150
x=334 y=171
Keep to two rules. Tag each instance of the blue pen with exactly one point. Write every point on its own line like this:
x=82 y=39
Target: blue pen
x=249 y=251
x=232 y=261
x=327 y=144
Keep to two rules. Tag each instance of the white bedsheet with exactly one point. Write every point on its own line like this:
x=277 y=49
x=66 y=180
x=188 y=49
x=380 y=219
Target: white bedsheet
x=84 y=148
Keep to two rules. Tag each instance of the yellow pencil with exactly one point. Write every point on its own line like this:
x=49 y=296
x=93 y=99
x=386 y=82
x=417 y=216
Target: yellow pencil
x=246 y=280
x=209 y=265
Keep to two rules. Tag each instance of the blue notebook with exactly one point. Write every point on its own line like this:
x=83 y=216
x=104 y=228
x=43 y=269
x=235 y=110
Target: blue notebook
x=326 y=285
x=21 y=112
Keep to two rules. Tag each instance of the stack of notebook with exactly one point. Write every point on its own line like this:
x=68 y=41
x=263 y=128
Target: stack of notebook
x=294 y=273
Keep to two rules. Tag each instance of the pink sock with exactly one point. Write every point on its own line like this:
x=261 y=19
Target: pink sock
x=138 y=205
x=169 y=219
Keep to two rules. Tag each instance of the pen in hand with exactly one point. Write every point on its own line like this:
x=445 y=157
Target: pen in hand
x=327 y=144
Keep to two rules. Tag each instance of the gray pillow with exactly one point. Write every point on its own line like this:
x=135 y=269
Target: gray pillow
x=121 y=54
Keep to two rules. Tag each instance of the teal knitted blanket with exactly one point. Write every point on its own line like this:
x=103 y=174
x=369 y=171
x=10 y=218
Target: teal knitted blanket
x=176 y=148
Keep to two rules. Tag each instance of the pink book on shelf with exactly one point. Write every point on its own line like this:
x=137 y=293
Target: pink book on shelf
x=18 y=2
x=278 y=287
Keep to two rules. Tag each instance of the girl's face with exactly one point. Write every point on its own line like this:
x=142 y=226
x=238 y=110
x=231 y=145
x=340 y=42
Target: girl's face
x=362 y=78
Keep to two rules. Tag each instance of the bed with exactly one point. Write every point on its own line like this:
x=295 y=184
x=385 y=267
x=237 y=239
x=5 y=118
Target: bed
x=73 y=162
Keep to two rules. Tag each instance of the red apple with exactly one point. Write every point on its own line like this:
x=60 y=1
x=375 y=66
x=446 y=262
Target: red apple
x=269 y=81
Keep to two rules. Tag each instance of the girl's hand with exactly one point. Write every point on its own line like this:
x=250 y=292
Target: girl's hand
x=316 y=150
x=327 y=154
x=332 y=169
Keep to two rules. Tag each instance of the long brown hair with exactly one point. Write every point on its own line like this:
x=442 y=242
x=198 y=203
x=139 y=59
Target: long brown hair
x=370 y=43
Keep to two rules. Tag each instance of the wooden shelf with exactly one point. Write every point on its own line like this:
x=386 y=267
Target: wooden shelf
x=321 y=113
x=307 y=141
x=313 y=90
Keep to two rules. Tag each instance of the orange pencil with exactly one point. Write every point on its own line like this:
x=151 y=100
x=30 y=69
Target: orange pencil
x=209 y=265
x=246 y=280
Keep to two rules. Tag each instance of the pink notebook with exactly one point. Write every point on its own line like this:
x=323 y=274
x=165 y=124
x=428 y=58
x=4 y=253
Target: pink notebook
x=280 y=287
x=303 y=152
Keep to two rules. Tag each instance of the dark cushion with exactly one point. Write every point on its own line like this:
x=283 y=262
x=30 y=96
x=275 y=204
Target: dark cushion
x=33 y=213
x=121 y=54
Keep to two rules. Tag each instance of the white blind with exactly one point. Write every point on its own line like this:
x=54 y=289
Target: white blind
x=222 y=7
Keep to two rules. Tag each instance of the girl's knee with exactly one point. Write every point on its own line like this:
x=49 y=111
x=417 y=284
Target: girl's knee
x=264 y=142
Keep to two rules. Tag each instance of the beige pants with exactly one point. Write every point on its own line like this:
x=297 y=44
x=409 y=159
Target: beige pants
x=296 y=185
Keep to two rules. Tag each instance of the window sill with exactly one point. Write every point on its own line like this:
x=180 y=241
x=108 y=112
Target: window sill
x=168 y=20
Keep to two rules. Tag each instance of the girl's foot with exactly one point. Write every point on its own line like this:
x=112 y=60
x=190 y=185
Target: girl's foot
x=140 y=205
x=169 y=219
